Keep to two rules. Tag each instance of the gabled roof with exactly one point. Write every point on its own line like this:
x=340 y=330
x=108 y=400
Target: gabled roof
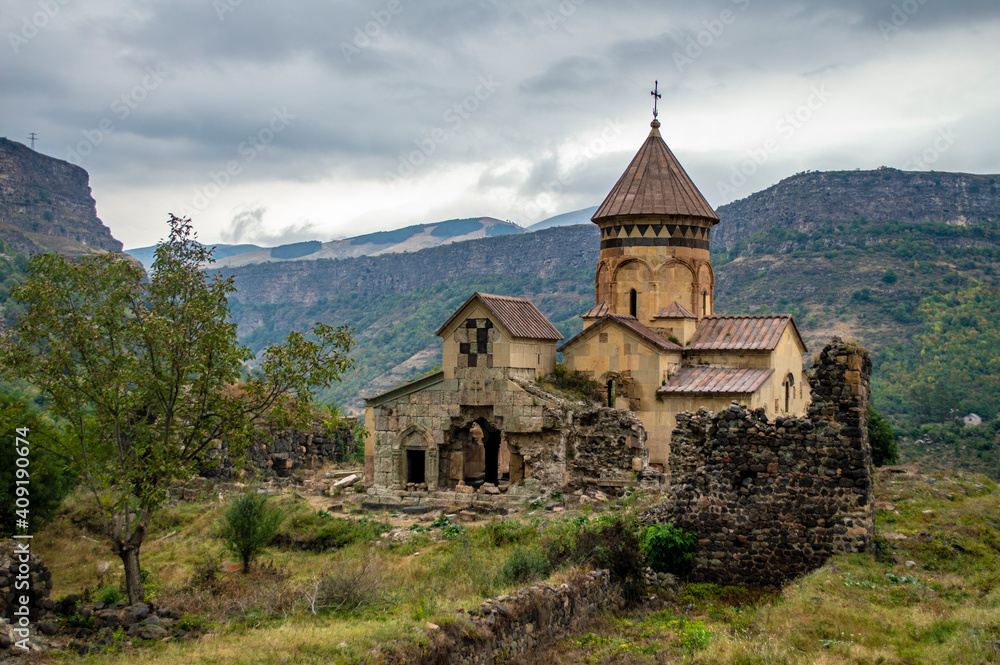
x=705 y=379
x=596 y=312
x=675 y=311
x=517 y=315
x=631 y=323
x=746 y=333
x=655 y=183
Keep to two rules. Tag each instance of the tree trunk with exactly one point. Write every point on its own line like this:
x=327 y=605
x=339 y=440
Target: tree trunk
x=133 y=576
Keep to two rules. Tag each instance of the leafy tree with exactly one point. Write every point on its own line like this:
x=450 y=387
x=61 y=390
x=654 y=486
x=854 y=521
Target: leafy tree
x=145 y=374
x=882 y=439
x=249 y=525
x=49 y=480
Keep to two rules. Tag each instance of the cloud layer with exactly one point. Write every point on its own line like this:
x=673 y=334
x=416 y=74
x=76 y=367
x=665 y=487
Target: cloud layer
x=273 y=123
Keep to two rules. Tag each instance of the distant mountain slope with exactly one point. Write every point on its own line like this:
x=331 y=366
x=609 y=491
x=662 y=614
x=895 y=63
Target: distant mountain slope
x=807 y=201
x=45 y=205
x=145 y=255
x=408 y=239
x=566 y=219
x=905 y=289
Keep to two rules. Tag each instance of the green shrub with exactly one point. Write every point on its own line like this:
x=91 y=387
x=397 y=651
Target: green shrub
x=524 y=565
x=110 y=595
x=889 y=276
x=609 y=543
x=575 y=382
x=882 y=439
x=248 y=526
x=668 y=548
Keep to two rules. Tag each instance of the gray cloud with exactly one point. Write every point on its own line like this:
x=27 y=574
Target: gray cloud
x=369 y=82
x=247 y=226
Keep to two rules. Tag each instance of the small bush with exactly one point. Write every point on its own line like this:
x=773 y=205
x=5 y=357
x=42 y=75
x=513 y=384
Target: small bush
x=613 y=544
x=110 y=595
x=668 y=549
x=249 y=525
x=351 y=588
x=882 y=439
x=576 y=382
x=889 y=276
x=524 y=565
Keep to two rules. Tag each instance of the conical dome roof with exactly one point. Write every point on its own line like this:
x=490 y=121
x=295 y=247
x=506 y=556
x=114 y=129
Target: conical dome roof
x=655 y=183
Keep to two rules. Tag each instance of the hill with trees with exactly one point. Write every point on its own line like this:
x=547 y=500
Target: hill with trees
x=922 y=292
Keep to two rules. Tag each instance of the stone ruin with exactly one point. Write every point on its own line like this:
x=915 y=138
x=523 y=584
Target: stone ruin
x=771 y=500
x=440 y=440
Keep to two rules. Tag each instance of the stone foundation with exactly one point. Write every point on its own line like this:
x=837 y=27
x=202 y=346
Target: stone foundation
x=769 y=501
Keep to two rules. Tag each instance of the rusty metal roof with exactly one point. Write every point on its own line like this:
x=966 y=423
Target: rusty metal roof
x=517 y=315
x=632 y=324
x=655 y=183
x=747 y=333
x=706 y=379
x=675 y=311
x=596 y=312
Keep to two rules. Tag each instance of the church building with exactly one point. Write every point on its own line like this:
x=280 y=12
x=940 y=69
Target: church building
x=652 y=341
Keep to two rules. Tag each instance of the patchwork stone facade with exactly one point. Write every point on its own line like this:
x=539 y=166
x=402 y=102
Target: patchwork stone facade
x=772 y=499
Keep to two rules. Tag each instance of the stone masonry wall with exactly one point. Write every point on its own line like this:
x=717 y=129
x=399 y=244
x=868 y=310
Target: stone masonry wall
x=773 y=500
x=286 y=451
x=505 y=627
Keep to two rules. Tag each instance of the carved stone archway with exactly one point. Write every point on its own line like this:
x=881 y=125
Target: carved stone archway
x=412 y=443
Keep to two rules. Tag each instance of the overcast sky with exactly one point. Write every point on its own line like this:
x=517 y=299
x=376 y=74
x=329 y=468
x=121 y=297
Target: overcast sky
x=274 y=123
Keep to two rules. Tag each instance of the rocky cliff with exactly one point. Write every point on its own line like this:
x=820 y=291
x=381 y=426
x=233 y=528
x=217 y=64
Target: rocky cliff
x=45 y=204
x=807 y=201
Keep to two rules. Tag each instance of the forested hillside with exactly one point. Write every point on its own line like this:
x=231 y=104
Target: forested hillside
x=922 y=294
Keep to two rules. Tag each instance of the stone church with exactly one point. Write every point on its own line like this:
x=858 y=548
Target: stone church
x=652 y=341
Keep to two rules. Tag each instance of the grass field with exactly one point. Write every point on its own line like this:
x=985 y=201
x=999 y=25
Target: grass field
x=930 y=595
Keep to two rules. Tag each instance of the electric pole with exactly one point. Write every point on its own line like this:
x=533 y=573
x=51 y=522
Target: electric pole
x=32 y=136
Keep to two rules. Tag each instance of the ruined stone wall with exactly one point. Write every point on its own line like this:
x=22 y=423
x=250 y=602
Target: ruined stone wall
x=772 y=500
x=508 y=626
x=284 y=452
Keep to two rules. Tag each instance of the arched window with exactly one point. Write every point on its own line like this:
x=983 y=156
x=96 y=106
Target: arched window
x=633 y=302
x=789 y=384
x=704 y=303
